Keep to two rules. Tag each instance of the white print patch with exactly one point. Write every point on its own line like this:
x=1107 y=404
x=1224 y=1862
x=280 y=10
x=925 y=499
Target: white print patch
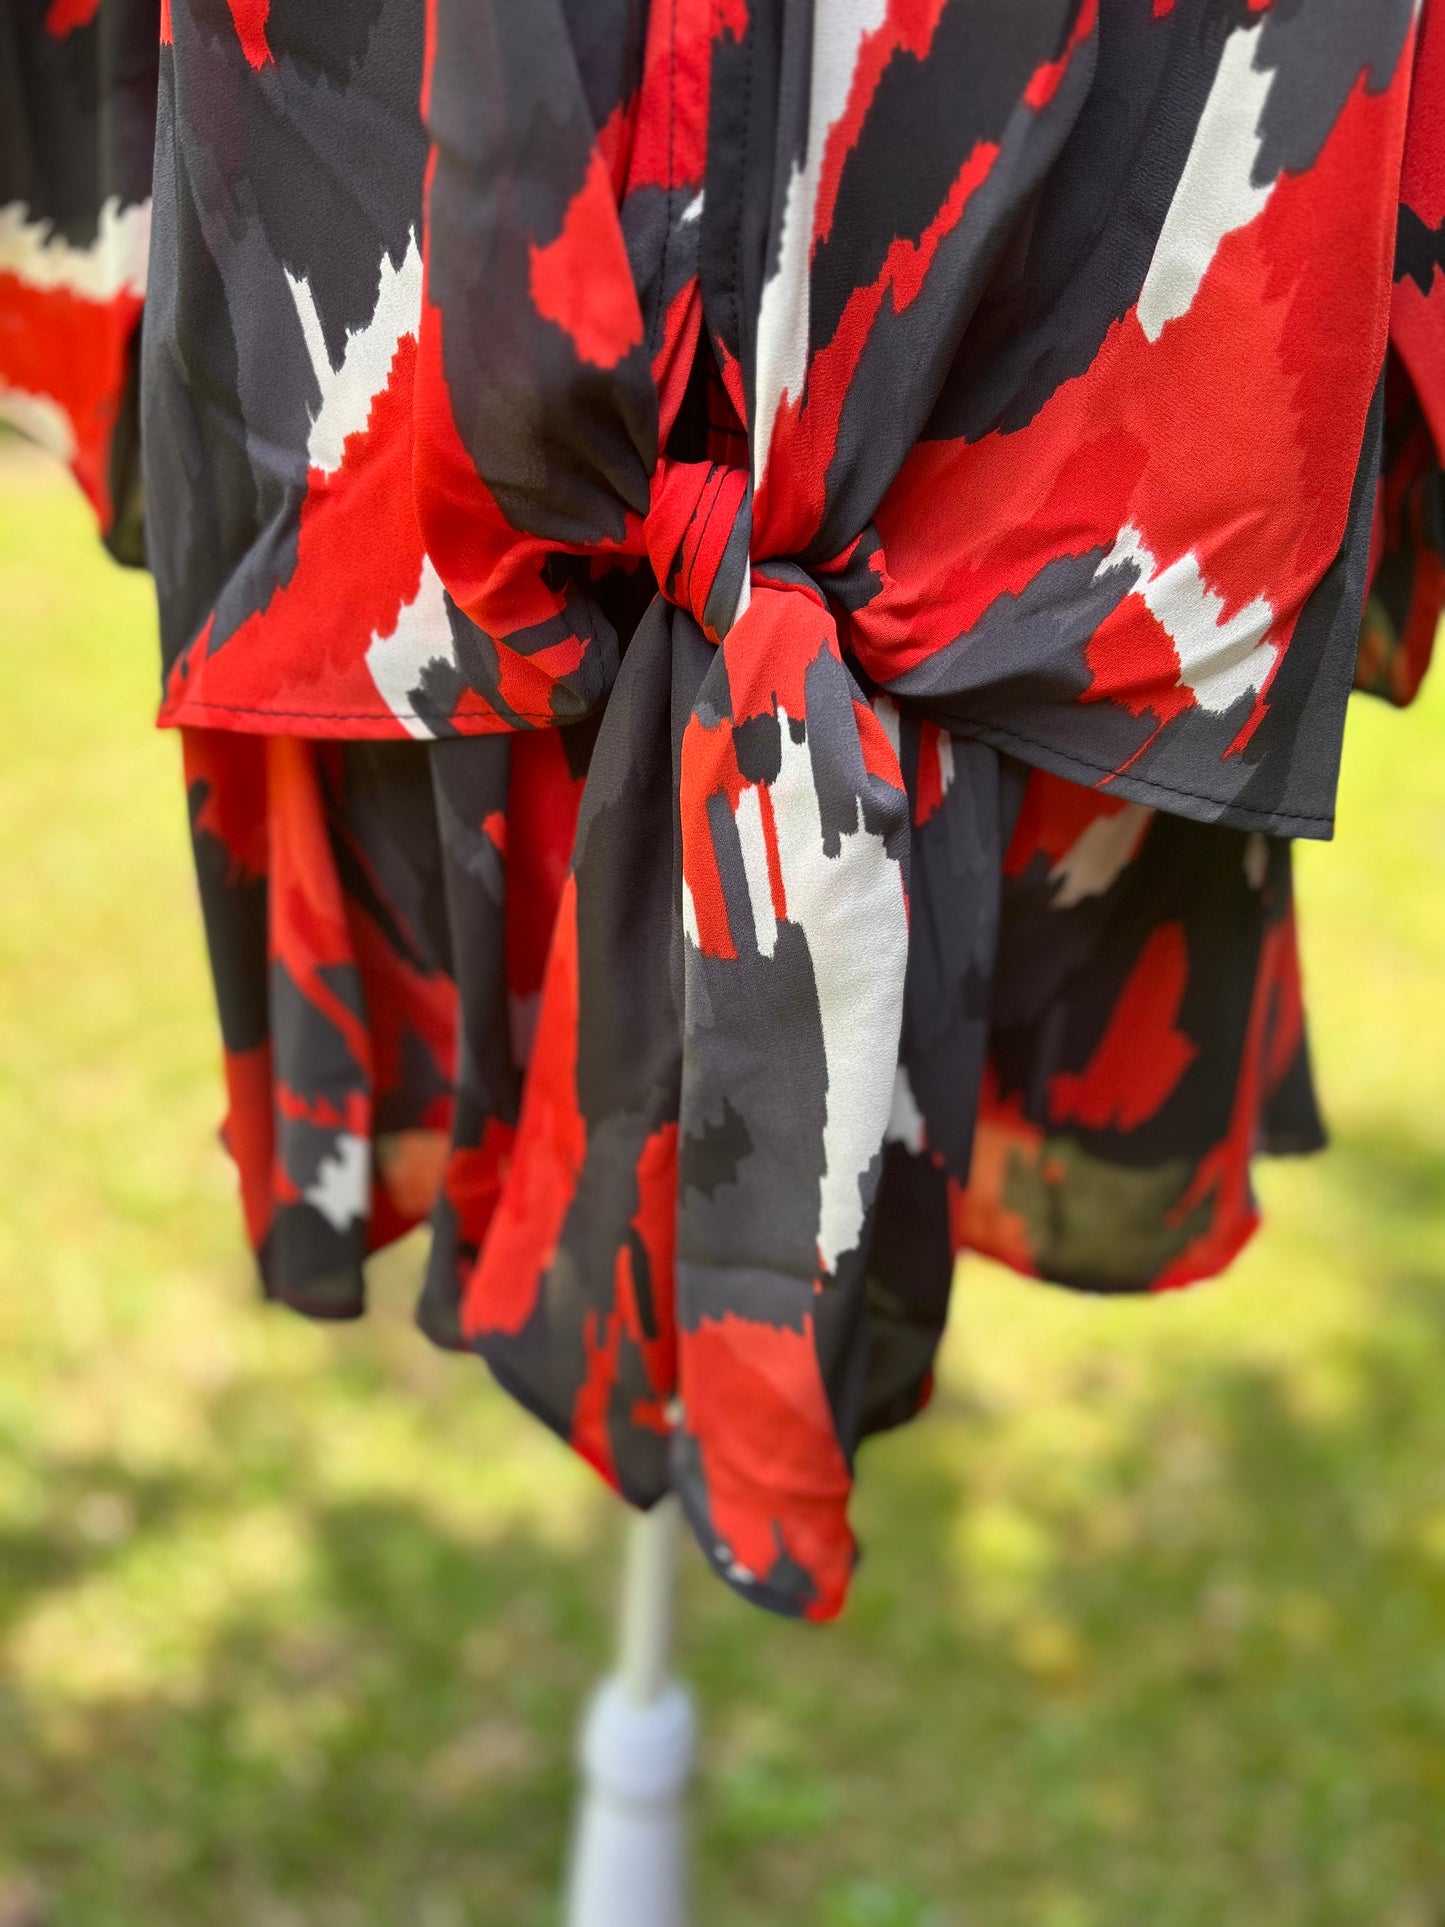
x=689 y=917
x=347 y=392
x=852 y=913
x=840 y=28
x=1216 y=194
x=945 y=760
x=886 y=710
x=905 y=1121
x=422 y=635
x=40 y=419
x=113 y=263
x=341 y=1189
x=751 y=836
x=1098 y=855
x=1219 y=661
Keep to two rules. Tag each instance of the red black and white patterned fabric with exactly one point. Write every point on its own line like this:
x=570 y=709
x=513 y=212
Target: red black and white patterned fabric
x=1041 y=359
x=280 y=350
x=893 y=492
x=1407 y=590
x=77 y=124
x=1147 y=1038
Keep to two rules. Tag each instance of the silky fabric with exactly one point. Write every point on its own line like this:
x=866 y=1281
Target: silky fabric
x=808 y=482
x=77 y=126
x=994 y=447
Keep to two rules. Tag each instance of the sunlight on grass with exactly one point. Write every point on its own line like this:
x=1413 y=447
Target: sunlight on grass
x=295 y=1622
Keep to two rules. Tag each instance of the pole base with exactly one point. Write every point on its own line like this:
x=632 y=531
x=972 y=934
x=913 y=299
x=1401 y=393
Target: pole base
x=629 y=1858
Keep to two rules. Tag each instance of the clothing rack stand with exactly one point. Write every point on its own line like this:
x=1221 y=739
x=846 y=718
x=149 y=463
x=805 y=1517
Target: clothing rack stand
x=629 y=1849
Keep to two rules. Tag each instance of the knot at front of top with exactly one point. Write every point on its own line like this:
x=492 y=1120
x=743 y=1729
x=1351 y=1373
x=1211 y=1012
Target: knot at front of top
x=698 y=532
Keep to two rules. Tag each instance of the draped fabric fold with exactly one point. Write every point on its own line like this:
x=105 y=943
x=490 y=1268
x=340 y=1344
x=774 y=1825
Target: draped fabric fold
x=831 y=539
x=77 y=130
x=724 y=332
x=336 y=997
x=718 y=1040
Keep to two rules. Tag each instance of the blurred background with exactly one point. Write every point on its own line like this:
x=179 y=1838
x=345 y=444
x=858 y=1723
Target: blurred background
x=295 y=1623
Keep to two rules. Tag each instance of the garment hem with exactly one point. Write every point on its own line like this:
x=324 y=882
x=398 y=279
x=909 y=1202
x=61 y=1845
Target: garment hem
x=1139 y=789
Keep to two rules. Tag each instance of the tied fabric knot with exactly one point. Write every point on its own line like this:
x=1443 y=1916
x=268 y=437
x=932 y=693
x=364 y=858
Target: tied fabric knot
x=674 y=1278
x=698 y=533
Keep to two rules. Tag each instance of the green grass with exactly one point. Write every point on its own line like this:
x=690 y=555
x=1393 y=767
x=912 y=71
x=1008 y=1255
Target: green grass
x=295 y=1622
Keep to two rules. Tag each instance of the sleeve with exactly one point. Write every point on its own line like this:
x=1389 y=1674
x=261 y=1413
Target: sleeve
x=78 y=85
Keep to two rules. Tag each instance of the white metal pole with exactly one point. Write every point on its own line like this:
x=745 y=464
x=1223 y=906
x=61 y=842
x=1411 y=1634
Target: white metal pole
x=629 y=1851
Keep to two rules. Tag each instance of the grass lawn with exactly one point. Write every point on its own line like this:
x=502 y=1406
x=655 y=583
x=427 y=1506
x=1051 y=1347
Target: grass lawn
x=295 y=1622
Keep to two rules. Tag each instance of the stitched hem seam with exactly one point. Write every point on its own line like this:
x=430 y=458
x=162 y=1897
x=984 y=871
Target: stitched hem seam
x=191 y=713
x=1206 y=808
